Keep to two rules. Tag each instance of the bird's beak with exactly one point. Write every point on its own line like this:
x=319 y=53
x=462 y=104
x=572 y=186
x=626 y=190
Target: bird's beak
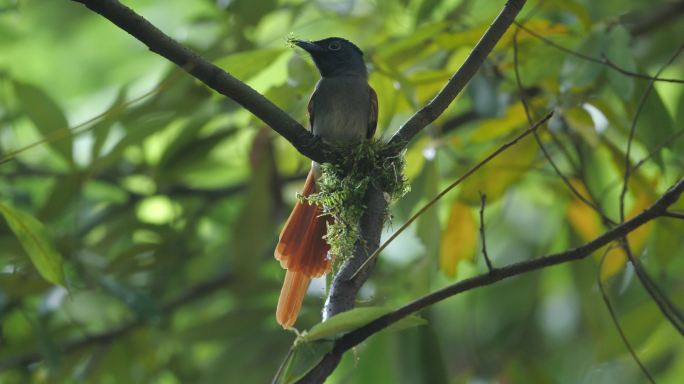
x=308 y=46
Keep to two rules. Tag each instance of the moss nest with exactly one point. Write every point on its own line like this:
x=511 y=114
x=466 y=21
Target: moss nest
x=342 y=189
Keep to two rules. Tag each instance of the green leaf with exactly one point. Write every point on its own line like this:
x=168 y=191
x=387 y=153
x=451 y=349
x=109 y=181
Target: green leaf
x=47 y=116
x=679 y=125
x=426 y=9
x=139 y=302
x=459 y=239
x=428 y=227
x=353 y=319
x=619 y=52
x=31 y=235
x=64 y=192
x=578 y=72
x=247 y=64
x=102 y=128
x=655 y=125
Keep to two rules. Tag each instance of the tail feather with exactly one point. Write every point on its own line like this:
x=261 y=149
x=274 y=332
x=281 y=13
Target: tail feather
x=303 y=252
x=301 y=246
x=291 y=298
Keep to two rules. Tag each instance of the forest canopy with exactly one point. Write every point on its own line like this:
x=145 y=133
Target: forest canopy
x=140 y=206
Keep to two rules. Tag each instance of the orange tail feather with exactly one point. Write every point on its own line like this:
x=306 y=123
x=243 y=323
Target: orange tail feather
x=291 y=298
x=303 y=252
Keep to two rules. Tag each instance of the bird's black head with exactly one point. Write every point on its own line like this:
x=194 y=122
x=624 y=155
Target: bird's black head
x=335 y=56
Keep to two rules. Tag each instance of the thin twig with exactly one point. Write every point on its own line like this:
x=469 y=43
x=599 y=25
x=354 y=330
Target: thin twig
x=602 y=61
x=483 y=202
x=616 y=322
x=674 y=215
x=353 y=338
x=668 y=141
x=666 y=307
x=452 y=186
x=632 y=131
x=548 y=157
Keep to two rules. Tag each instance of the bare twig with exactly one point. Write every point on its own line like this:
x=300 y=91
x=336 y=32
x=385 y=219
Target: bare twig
x=357 y=336
x=616 y=322
x=666 y=307
x=483 y=202
x=548 y=157
x=454 y=185
x=211 y=75
x=602 y=61
x=477 y=56
x=674 y=215
x=668 y=141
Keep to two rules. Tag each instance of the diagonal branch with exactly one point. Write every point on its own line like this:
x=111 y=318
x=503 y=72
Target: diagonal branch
x=211 y=75
x=352 y=339
x=458 y=81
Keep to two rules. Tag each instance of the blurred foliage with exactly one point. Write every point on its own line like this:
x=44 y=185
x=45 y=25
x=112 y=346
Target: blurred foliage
x=144 y=220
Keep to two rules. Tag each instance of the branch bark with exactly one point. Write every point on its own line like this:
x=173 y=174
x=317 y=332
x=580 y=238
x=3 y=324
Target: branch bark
x=213 y=76
x=458 y=81
x=354 y=338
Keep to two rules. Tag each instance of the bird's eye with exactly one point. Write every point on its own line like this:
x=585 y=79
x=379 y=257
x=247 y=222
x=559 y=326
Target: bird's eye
x=334 y=46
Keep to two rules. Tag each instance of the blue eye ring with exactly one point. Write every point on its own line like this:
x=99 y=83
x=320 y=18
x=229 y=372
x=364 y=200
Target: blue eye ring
x=334 y=46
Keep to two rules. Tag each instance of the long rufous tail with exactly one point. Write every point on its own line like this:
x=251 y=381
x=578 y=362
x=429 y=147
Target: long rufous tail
x=303 y=252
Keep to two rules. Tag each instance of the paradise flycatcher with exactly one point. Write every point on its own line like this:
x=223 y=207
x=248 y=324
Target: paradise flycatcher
x=343 y=111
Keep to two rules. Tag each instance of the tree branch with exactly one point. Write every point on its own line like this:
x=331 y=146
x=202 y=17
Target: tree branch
x=351 y=339
x=483 y=202
x=477 y=56
x=211 y=75
x=356 y=269
x=674 y=215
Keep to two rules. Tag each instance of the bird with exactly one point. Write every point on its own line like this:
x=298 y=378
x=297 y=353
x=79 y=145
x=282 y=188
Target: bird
x=343 y=111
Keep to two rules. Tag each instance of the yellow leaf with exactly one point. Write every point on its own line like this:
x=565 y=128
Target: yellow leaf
x=489 y=129
x=614 y=262
x=637 y=238
x=616 y=257
x=459 y=239
x=496 y=176
x=584 y=220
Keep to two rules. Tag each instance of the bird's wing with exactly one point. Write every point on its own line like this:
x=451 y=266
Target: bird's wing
x=310 y=109
x=373 y=116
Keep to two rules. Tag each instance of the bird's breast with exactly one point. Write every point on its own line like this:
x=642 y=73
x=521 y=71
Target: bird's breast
x=341 y=110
